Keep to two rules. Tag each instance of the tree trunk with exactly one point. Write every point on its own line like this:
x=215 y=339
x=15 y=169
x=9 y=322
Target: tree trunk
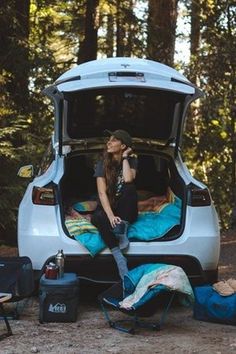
x=162 y=17
x=194 y=38
x=126 y=28
x=88 y=47
x=195 y=13
x=110 y=36
x=195 y=28
x=120 y=35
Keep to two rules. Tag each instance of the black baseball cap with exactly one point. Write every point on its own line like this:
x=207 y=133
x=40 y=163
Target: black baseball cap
x=121 y=135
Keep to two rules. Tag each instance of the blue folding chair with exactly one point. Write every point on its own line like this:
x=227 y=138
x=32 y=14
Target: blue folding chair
x=135 y=316
x=145 y=289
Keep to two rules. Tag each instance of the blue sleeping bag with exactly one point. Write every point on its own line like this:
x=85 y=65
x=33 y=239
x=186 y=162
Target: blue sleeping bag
x=213 y=307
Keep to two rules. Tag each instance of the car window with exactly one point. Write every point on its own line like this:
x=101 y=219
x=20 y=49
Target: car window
x=146 y=113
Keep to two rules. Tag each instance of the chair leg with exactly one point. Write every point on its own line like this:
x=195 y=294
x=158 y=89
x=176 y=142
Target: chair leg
x=9 y=331
x=164 y=314
x=118 y=323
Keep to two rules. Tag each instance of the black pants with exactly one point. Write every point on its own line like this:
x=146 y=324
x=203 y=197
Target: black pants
x=126 y=209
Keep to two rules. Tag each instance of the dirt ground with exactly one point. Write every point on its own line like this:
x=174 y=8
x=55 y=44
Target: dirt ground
x=91 y=334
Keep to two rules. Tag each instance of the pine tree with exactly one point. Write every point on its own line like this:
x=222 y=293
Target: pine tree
x=162 y=16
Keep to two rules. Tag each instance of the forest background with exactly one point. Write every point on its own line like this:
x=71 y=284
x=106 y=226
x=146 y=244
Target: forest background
x=40 y=39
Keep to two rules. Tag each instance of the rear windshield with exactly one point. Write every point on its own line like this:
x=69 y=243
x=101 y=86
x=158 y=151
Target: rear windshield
x=145 y=113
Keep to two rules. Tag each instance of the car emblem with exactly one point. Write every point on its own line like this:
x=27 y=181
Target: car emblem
x=125 y=65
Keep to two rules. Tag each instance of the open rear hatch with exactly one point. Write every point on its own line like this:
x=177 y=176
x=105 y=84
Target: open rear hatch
x=146 y=98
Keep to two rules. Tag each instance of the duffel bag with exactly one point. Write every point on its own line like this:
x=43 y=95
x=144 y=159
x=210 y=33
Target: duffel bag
x=212 y=307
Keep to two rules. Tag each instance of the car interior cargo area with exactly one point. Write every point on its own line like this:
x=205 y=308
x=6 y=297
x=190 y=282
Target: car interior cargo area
x=160 y=192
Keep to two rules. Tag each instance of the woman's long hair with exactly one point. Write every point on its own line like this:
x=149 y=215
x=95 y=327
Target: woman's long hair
x=111 y=170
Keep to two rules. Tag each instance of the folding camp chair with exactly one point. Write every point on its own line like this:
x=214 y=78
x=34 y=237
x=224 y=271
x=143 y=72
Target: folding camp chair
x=4 y=297
x=114 y=295
x=143 y=290
x=16 y=279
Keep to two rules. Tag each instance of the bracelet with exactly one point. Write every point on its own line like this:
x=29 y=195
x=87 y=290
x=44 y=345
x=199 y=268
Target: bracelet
x=125 y=158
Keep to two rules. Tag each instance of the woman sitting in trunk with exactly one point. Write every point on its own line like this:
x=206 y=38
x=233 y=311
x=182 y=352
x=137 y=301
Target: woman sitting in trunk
x=117 y=205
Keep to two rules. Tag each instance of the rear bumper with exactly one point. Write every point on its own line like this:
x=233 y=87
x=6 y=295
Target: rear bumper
x=102 y=268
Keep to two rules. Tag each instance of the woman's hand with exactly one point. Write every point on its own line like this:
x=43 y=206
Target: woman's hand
x=114 y=220
x=127 y=152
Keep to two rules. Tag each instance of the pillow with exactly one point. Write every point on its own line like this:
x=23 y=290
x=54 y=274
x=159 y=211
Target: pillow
x=89 y=205
x=79 y=226
x=87 y=234
x=92 y=242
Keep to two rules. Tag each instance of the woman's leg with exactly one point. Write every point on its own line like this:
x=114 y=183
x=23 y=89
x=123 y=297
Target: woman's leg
x=127 y=205
x=101 y=221
x=127 y=210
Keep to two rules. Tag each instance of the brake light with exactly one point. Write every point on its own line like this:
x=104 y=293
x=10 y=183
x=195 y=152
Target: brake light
x=199 y=197
x=43 y=196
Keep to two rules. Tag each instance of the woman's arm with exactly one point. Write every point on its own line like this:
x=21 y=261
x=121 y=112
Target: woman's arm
x=128 y=172
x=102 y=193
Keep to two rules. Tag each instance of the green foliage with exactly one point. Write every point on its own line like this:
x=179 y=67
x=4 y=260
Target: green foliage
x=210 y=147
x=12 y=126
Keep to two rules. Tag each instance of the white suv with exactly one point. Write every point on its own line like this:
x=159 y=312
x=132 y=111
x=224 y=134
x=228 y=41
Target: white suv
x=149 y=100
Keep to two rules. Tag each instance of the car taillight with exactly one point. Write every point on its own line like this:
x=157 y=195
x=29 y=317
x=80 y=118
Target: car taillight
x=199 y=197
x=43 y=196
